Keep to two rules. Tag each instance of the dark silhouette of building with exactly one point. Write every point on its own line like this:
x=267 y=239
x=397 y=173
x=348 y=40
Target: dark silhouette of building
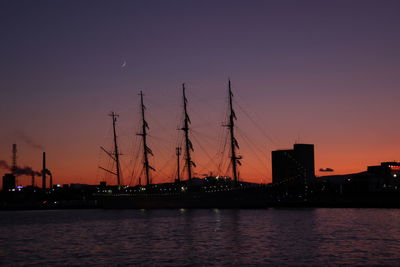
x=386 y=175
x=293 y=165
x=386 y=169
x=8 y=181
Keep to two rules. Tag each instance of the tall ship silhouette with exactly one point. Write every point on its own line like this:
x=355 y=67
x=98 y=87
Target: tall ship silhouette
x=186 y=191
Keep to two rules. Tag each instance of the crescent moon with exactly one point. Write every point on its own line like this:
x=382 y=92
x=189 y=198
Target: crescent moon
x=123 y=64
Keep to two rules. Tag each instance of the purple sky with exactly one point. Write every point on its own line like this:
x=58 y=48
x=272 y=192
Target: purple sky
x=322 y=72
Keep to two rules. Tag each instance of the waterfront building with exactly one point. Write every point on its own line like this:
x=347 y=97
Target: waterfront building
x=295 y=164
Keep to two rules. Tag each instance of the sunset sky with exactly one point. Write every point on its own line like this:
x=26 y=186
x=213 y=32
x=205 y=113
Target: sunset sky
x=320 y=72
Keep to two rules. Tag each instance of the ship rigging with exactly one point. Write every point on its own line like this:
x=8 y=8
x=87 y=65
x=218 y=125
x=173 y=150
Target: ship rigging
x=186 y=150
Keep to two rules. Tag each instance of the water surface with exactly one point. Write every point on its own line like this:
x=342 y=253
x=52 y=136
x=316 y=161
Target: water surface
x=200 y=237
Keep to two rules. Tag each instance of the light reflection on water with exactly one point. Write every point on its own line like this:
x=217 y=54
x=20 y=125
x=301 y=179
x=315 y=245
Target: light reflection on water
x=200 y=237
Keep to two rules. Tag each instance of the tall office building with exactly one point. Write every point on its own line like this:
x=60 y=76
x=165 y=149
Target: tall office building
x=293 y=165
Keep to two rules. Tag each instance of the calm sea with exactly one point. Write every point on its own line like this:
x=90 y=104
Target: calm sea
x=200 y=237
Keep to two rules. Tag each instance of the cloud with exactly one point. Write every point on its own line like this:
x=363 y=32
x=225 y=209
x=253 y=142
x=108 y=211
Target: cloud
x=326 y=170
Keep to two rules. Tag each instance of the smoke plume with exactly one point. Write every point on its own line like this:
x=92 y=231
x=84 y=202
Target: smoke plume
x=28 y=140
x=18 y=170
x=26 y=171
x=4 y=165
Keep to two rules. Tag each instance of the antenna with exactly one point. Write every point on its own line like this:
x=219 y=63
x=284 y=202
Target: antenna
x=188 y=143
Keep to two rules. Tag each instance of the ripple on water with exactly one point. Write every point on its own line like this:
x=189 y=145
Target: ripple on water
x=200 y=237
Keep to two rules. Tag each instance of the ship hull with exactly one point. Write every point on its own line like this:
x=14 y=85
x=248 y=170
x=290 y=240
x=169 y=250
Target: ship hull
x=241 y=198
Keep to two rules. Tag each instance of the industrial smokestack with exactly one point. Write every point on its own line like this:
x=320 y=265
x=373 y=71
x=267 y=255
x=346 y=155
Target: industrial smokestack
x=14 y=159
x=14 y=162
x=44 y=171
x=51 y=177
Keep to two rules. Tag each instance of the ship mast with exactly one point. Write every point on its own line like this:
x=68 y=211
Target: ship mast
x=188 y=143
x=116 y=153
x=234 y=144
x=146 y=149
x=178 y=153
